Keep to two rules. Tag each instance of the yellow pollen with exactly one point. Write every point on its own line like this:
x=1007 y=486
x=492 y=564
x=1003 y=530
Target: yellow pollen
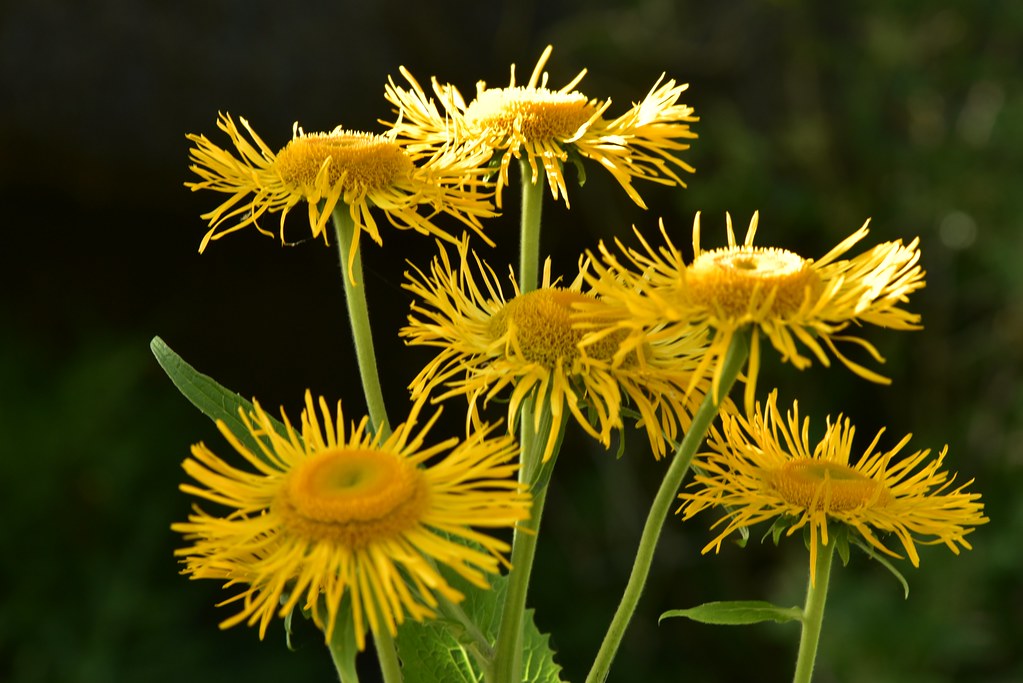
x=352 y=497
x=827 y=486
x=531 y=113
x=543 y=320
x=357 y=160
x=737 y=280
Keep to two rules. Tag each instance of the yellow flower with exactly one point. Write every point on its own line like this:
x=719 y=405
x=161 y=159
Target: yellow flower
x=763 y=467
x=328 y=515
x=790 y=300
x=361 y=170
x=551 y=127
x=531 y=343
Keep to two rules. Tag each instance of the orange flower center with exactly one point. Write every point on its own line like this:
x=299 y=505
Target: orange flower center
x=739 y=281
x=542 y=323
x=356 y=161
x=827 y=486
x=353 y=497
x=530 y=114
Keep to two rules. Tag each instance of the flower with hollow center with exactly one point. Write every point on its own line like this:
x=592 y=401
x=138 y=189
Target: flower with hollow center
x=352 y=497
x=362 y=171
x=331 y=515
x=551 y=127
x=533 y=344
x=781 y=295
x=764 y=467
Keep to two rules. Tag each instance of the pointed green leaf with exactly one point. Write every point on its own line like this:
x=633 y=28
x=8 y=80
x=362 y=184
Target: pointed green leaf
x=206 y=394
x=736 y=613
x=442 y=650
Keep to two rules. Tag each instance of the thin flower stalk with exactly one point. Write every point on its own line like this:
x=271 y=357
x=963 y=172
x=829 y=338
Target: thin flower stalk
x=661 y=508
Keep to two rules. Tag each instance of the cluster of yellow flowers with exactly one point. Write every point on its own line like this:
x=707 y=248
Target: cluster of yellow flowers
x=367 y=515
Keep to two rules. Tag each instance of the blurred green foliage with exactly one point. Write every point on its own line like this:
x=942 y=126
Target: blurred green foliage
x=819 y=115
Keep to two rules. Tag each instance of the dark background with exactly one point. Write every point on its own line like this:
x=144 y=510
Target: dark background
x=817 y=115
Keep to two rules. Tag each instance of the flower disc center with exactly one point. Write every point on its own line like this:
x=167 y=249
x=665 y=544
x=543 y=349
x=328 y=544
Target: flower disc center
x=353 y=496
x=358 y=161
x=543 y=327
x=738 y=281
x=827 y=486
x=529 y=113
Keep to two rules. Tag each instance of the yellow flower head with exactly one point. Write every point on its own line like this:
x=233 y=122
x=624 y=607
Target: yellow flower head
x=532 y=343
x=356 y=169
x=550 y=127
x=790 y=300
x=764 y=467
x=328 y=515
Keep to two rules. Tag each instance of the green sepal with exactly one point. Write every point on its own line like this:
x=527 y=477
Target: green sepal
x=211 y=398
x=779 y=527
x=576 y=160
x=842 y=546
x=343 y=646
x=442 y=650
x=886 y=564
x=541 y=477
x=736 y=613
x=493 y=167
x=287 y=630
x=743 y=537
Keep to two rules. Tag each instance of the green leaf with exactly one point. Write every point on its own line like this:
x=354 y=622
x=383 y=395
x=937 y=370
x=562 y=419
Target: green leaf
x=442 y=650
x=206 y=394
x=736 y=613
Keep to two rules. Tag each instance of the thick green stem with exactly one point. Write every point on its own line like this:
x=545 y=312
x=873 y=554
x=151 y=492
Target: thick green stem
x=813 y=613
x=508 y=649
x=387 y=655
x=661 y=507
x=529 y=231
x=358 y=315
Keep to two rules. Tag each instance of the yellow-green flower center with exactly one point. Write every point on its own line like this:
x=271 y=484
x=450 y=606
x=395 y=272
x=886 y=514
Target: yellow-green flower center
x=543 y=323
x=353 y=497
x=531 y=114
x=358 y=161
x=737 y=281
x=827 y=486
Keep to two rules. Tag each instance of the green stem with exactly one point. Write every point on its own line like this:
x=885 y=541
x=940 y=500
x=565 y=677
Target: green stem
x=508 y=649
x=358 y=314
x=387 y=655
x=661 y=507
x=529 y=232
x=813 y=613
